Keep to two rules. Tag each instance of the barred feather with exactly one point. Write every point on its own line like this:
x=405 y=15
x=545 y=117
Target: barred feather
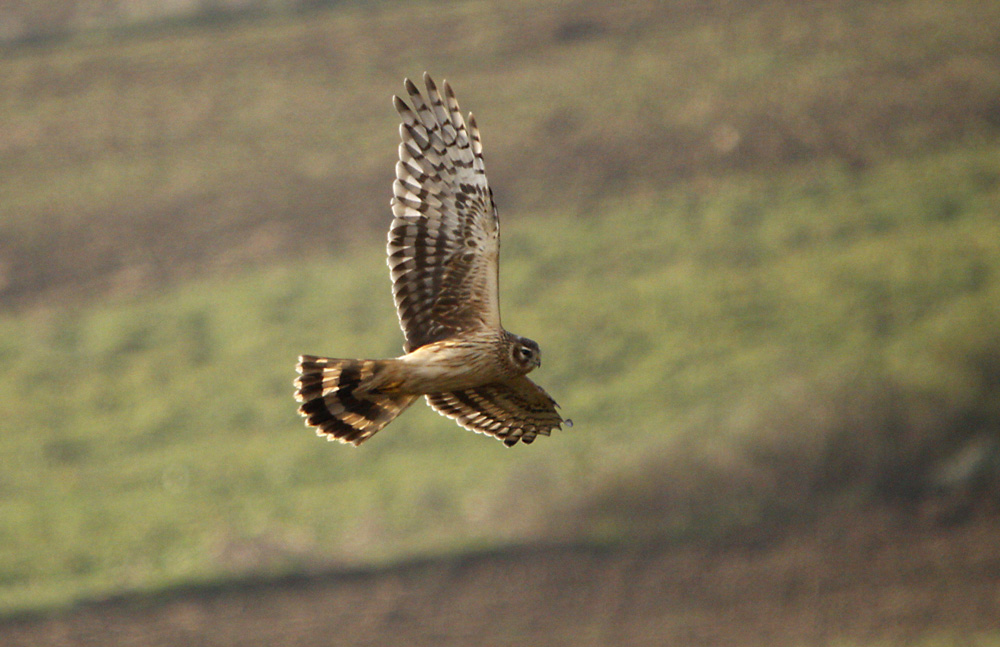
x=444 y=239
x=335 y=402
x=443 y=253
x=514 y=410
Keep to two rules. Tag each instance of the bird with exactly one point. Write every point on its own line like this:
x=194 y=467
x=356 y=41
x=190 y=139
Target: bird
x=443 y=256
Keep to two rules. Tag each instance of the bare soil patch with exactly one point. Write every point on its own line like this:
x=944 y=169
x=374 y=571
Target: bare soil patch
x=872 y=578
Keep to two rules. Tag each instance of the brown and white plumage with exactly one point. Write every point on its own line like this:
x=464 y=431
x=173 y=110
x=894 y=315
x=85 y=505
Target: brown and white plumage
x=443 y=255
x=444 y=242
x=487 y=409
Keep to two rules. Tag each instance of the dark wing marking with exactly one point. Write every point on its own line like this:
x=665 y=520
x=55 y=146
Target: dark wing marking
x=326 y=388
x=444 y=240
x=514 y=410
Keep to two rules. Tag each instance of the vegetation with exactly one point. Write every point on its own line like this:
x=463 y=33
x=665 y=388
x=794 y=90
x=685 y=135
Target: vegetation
x=763 y=270
x=254 y=141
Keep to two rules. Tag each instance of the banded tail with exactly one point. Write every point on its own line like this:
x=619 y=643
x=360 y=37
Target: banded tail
x=336 y=400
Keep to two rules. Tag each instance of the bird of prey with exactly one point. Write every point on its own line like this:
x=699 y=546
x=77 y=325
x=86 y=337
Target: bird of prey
x=443 y=249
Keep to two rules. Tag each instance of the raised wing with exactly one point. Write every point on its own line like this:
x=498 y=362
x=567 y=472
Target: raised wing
x=444 y=241
x=514 y=410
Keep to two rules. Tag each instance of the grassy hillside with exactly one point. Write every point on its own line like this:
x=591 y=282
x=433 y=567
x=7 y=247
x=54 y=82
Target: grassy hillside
x=716 y=364
x=246 y=140
x=762 y=267
x=39 y=21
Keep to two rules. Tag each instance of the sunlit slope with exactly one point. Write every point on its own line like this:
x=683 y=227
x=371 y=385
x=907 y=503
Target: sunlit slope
x=727 y=350
x=252 y=139
x=758 y=247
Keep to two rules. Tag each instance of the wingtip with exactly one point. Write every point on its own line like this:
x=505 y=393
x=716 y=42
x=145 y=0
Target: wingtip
x=429 y=82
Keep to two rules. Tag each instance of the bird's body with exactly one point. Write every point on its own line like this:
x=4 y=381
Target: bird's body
x=456 y=363
x=443 y=255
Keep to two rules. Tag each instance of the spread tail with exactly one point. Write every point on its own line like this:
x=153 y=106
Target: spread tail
x=336 y=400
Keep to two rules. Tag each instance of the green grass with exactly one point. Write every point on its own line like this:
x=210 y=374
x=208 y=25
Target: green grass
x=261 y=138
x=153 y=441
x=760 y=251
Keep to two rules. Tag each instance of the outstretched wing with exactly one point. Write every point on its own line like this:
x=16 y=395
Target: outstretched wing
x=444 y=240
x=514 y=410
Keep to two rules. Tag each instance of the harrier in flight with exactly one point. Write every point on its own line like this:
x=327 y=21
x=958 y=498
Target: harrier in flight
x=444 y=245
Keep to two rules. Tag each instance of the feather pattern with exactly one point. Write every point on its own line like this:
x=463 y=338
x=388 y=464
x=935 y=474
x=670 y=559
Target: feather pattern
x=335 y=399
x=443 y=255
x=444 y=239
x=513 y=410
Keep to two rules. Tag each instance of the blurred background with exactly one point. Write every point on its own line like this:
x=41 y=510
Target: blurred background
x=758 y=241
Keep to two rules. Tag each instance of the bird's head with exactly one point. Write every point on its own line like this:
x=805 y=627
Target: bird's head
x=525 y=354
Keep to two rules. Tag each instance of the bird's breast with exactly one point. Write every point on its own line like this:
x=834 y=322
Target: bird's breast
x=449 y=365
